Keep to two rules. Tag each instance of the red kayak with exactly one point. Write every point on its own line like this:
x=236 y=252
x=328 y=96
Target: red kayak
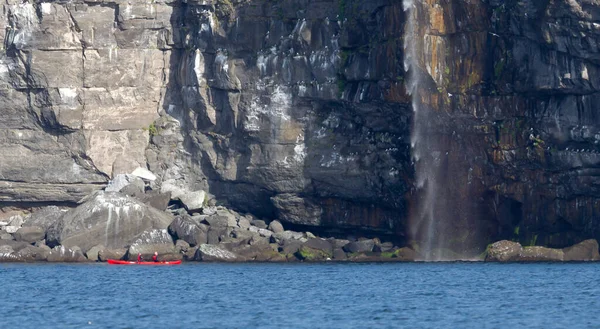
x=126 y=262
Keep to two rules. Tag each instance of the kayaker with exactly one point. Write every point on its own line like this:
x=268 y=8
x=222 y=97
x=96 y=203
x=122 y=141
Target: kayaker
x=140 y=259
x=155 y=257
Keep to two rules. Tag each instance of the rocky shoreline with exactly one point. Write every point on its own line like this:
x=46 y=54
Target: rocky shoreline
x=130 y=217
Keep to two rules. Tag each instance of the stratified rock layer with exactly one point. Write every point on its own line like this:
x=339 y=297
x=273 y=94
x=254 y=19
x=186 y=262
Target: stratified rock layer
x=297 y=110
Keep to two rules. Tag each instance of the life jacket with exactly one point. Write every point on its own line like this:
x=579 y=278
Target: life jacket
x=139 y=258
x=155 y=258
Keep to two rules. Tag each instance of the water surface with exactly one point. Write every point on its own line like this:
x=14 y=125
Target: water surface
x=413 y=295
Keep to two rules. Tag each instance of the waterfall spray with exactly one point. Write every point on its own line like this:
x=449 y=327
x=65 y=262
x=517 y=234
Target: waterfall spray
x=425 y=158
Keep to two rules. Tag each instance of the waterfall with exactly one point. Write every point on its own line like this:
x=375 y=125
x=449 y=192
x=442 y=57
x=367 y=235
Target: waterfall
x=424 y=229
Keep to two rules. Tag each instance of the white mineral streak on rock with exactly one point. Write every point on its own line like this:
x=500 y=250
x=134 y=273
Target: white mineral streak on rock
x=274 y=110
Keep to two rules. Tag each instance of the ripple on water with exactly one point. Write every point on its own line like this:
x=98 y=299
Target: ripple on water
x=307 y=295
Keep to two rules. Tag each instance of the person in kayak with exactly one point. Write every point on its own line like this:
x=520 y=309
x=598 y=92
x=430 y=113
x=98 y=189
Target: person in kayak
x=139 y=259
x=155 y=257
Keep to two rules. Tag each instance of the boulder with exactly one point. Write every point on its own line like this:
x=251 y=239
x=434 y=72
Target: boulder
x=187 y=229
x=261 y=231
x=11 y=229
x=30 y=234
x=309 y=254
x=181 y=246
x=281 y=237
x=93 y=253
x=244 y=223
x=6 y=236
x=108 y=218
x=541 y=254
x=360 y=246
x=44 y=217
x=276 y=227
x=503 y=251
x=6 y=249
x=157 y=200
x=339 y=243
x=15 y=245
x=154 y=241
x=106 y=254
x=290 y=247
x=221 y=219
x=582 y=252
x=211 y=253
x=42 y=244
x=260 y=253
x=258 y=223
x=339 y=254
x=144 y=173
x=62 y=254
x=193 y=200
x=215 y=234
x=33 y=254
x=320 y=244
x=126 y=184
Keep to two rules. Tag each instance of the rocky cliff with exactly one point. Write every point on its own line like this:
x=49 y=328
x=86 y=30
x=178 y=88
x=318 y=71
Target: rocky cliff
x=298 y=110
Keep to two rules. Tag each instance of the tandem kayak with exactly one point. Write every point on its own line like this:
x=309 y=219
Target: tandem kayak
x=126 y=262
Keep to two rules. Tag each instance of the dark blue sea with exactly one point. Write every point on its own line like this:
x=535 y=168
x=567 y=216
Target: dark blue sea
x=414 y=295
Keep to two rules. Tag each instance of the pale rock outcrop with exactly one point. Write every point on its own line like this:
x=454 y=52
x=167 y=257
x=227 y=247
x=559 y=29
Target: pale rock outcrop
x=108 y=218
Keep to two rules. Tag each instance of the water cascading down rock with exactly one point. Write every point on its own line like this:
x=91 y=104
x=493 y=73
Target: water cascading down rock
x=439 y=217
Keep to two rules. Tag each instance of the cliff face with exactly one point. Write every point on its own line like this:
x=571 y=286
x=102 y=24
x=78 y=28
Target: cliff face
x=298 y=110
x=284 y=109
x=512 y=88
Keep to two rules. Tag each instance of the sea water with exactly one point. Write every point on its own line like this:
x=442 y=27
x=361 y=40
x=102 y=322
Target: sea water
x=400 y=295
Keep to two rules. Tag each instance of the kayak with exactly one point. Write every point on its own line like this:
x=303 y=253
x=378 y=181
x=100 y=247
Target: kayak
x=126 y=262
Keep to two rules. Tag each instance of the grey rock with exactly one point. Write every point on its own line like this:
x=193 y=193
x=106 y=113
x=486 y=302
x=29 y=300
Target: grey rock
x=258 y=223
x=181 y=246
x=107 y=218
x=503 y=251
x=62 y=254
x=584 y=251
x=127 y=184
x=6 y=249
x=282 y=237
x=339 y=254
x=189 y=230
x=15 y=245
x=143 y=173
x=93 y=253
x=193 y=200
x=319 y=244
x=276 y=226
x=215 y=234
x=44 y=217
x=244 y=223
x=30 y=234
x=106 y=254
x=6 y=236
x=154 y=241
x=360 y=246
x=11 y=229
x=541 y=254
x=211 y=253
x=157 y=200
x=33 y=254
